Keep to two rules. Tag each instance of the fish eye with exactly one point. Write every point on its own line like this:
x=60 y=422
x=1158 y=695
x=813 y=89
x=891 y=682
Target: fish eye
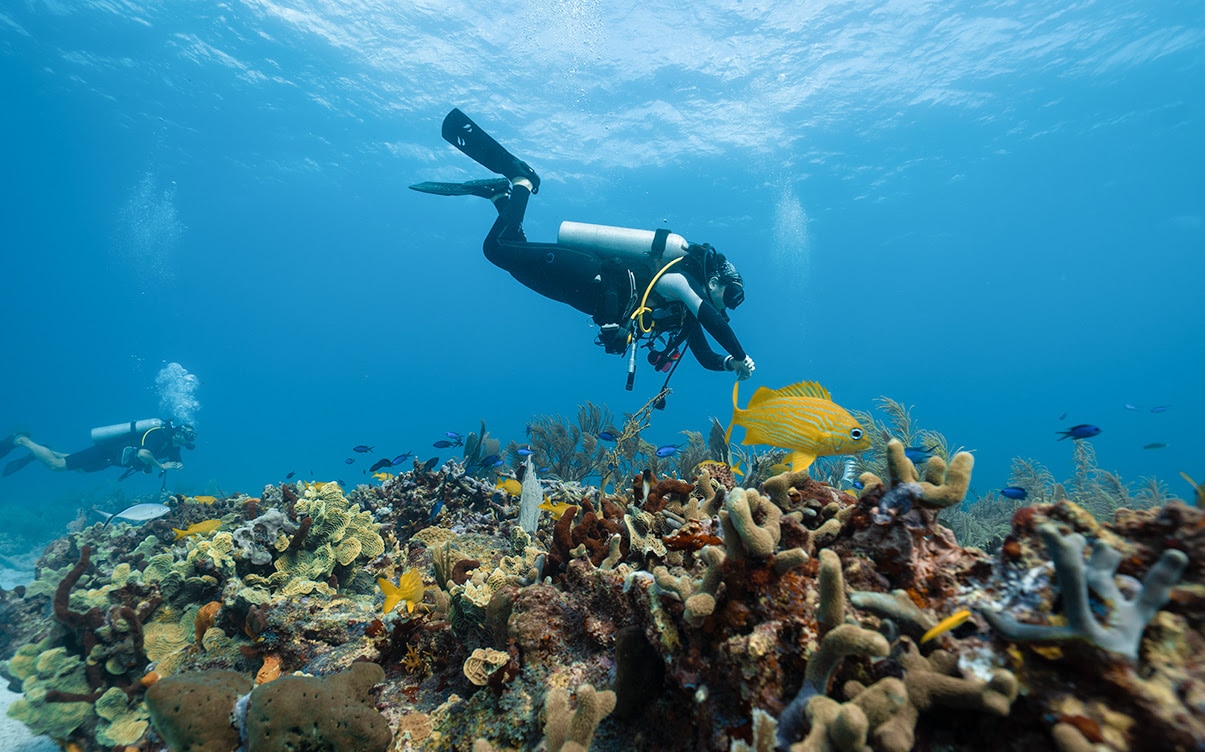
x=856 y=434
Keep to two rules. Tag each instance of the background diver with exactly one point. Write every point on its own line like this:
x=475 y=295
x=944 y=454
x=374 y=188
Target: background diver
x=142 y=445
x=636 y=284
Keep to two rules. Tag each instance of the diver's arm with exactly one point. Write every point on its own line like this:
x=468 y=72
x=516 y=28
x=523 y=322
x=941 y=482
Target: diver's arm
x=701 y=349
x=675 y=286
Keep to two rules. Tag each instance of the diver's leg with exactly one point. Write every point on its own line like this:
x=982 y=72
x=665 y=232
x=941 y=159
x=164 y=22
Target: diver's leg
x=464 y=134
x=47 y=456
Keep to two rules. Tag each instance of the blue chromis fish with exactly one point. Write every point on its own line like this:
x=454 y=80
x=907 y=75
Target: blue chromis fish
x=430 y=464
x=291 y=474
x=524 y=452
x=1155 y=445
x=436 y=508
x=380 y=464
x=1161 y=408
x=1082 y=431
x=401 y=458
x=608 y=436
x=361 y=448
x=918 y=454
x=1014 y=492
x=349 y=461
x=668 y=450
x=801 y=418
x=443 y=444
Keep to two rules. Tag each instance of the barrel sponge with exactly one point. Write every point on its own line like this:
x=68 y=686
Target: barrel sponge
x=192 y=712
x=319 y=714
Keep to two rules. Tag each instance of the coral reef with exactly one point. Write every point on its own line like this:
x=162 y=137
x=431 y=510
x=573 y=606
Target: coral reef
x=676 y=610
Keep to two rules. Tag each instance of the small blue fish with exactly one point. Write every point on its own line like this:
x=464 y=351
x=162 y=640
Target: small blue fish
x=1156 y=445
x=541 y=470
x=290 y=475
x=436 y=508
x=361 y=448
x=1160 y=408
x=453 y=435
x=1082 y=431
x=401 y=458
x=430 y=464
x=608 y=436
x=379 y=464
x=492 y=461
x=918 y=454
x=1014 y=492
x=668 y=450
x=524 y=452
x=1131 y=407
x=443 y=444
x=349 y=461
x=858 y=484
x=1063 y=416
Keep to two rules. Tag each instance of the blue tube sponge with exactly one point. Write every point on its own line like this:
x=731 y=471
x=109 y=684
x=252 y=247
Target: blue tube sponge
x=1129 y=617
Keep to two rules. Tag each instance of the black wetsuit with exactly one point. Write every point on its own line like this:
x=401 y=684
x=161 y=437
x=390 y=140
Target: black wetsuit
x=113 y=453
x=574 y=277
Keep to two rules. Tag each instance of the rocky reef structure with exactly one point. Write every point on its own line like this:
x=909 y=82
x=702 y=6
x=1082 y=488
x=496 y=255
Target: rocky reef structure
x=673 y=614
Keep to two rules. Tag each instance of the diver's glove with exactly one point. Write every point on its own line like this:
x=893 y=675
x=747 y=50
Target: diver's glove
x=743 y=368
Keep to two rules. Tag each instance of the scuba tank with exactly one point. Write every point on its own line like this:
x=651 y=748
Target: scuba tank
x=120 y=430
x=657 y=246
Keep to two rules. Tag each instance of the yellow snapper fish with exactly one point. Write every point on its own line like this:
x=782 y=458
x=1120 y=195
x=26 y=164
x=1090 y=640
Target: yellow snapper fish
x=557 y=508
x=205 y=499
x=408 y=590
x=510 y=486
x=1197 y=487
x=197 y=528
x=382 y=476
x=801 y=418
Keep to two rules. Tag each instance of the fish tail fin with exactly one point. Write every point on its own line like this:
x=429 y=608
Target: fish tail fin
x=735 y=411
x=179 y=533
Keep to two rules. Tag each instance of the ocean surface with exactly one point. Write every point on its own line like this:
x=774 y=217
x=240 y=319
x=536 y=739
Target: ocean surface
x=992 y=212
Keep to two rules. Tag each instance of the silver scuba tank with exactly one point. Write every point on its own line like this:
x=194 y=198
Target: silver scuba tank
x=620 y=242
x=117 y=430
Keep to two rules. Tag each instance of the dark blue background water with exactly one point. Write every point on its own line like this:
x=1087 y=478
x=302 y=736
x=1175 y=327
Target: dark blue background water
x=992 y=213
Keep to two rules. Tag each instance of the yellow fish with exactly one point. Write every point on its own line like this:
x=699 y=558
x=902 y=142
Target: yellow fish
x=1196 y=487
x=510 y=486
x=382 y=476
x=801 y=418
x=197 y=528
x=408 y=590
x=557 y=509
x=205 y=499
x=945 y=625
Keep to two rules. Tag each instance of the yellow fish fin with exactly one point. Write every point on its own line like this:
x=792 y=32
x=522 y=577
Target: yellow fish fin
x=800 y=460
x=179 y=533
x=762 y=394
x=392 y=593
x=804 y=389
x=945 y=625
x=1196 y=487
x=410 y=589
x=735 y=409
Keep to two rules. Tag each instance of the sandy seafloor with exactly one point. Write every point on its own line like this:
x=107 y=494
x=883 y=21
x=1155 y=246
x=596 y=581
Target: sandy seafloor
x=14 y=737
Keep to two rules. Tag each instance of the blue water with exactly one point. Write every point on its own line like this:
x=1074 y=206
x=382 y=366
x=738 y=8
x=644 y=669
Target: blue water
x=992 y=212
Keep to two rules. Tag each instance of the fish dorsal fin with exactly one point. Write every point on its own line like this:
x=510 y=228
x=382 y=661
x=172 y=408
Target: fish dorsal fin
x=762 y=394
x=803 y=389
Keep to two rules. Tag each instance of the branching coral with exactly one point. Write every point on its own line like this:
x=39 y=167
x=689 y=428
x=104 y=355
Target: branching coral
x=1129 y=616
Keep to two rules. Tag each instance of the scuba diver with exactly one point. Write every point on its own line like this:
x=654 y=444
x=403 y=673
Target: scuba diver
x=140 y=445
x=636 y=284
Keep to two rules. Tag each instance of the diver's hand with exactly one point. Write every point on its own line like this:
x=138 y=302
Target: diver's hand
x=743 y=368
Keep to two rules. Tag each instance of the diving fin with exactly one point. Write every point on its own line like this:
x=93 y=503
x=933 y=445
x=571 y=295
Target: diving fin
x=489 y=188
x=467 y=136
x=17 y=464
